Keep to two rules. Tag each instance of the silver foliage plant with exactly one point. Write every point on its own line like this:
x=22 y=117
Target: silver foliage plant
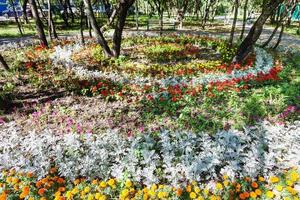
x=175 y=157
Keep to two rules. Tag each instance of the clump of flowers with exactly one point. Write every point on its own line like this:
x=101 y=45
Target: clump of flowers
x=20 y=185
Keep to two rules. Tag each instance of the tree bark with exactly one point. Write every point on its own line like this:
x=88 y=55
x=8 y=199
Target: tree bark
x=98 y=34
x=3 y=63
x=247 y=45
x=280 y=36
x=236 y=10
x=81 y=21
x=117 y=37
x=71 y=11
x=16 y=17
x=49 y=20
x=24 y=10
x=38 y=23
x=244 y=19
x=65 y=12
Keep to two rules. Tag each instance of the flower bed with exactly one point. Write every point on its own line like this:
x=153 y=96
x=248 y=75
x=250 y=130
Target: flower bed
x=169 y=157
x=25 y=185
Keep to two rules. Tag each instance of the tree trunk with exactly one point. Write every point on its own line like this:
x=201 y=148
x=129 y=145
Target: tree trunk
x=16 y=17
x=38 y=23
x=81 y=21
x=161 y=22
x=3 y=63
x=280 y=36
x=65 y=13
x=49 y=20
x=24 y=10
x=236 y=10
x=98 y=34
x=247 y=45
x=137 y=15
x=279 y=22
x=71 y=11
x=117 y=37
x=244 y=19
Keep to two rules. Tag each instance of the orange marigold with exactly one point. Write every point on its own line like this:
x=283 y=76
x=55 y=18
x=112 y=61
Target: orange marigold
x=41 y=191
x=254 y=185
x=242 y=196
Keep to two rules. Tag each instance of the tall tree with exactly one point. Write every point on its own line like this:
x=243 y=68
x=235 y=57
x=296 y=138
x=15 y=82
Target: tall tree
x=38 y=23
x=244 y=18
x=247 y=45
x=12 y=3
x=24 y=10
x=122 y=10
x=236 y=10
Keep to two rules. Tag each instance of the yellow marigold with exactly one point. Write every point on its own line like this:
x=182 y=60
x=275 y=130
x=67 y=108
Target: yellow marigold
x=128 y=183
x=97 y=195
x=197 y=189
x=270 y=194
x=95 y=182
x=162 y=195
x=75 y=190
x=154 y=187
x=294 y=176
x=206 y=191
x=225 y=183
x=111 y=182
x=145 y=190
x=200 y=198
x=225 y=177
x=69 y=195
x=103 y=197
x=193 y=195
x=261 y=179
x=152 y=193
x=291 y=190
x=219 y=186
x=258 y=192
x=253 y=195
x=90 y=197
x=103 y=184
x=43 y=198
x=279 y=188
x=124 y=193
x=194 y=183
x=289 y=182
x=274 y=179
x=87 y=189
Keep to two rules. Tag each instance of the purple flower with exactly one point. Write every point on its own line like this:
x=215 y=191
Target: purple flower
x=79 y=129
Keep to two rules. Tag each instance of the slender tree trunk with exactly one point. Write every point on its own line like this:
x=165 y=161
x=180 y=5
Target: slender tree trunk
x=117 y=37
x=98 y=34
x=90 y=28
x=38 y=23
x=16 y=17
x=274 y=31
x=206 y=13
x=247 y=45
x=280 y=36
x=41 y=10
x=244 y=19
x=49 y=20
x=236 y=10
x=71 y=11
x=161 y=22
x=137 y=15
x=3 y=63
x=24 y=10
x=81 y=21
x=65 y=12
